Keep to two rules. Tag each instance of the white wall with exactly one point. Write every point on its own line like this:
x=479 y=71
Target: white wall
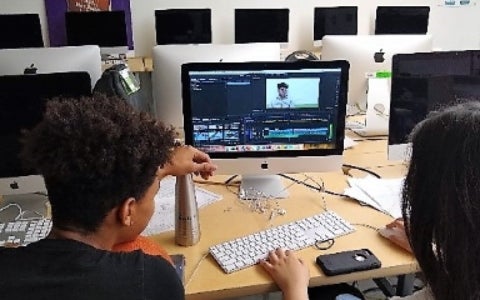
x=452 y=28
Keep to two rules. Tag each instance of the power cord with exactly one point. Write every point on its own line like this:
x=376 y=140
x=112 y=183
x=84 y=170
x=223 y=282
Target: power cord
x=347 y=167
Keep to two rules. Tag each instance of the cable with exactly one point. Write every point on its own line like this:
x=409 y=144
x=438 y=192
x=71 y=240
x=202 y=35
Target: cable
x=318 y=189
x=346 y=170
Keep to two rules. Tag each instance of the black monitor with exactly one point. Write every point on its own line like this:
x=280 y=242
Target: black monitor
x=261 y=25
x=341 y=20
x=20 y=31
x=402 y=19
x=183 y=26
x=22 y=103
x=106 y=29
x=422 y=82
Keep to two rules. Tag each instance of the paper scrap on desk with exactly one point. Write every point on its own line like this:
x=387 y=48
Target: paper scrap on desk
x=163 y=218
x=382 y=194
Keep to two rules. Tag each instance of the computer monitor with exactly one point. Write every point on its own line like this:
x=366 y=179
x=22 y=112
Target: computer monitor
x=402 y=19
x=269 y=25
x=262 y=118
x=183 y=26
x=20 y=31
x=107 y=29
x=167 y=61
x=51 y=60
x=423 y=82
x=367 y=55
x=340 y=20
x=22 y=103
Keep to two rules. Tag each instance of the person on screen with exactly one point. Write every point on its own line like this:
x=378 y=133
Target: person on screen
x=103 y=163
x=282 y=100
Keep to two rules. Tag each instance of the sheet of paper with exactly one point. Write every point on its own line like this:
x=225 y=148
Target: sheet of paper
x=163 y=218
x=382 y=194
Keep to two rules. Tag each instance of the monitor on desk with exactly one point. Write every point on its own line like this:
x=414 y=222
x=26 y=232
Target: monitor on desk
x=22 y=103
x=261 y=25
x=340 y=20
x=402 y=19
x=51 y=60
x=369 y=54
x=20 y=31
x=257 y=119
x=167 y=61
x=183 y=26
x=424 y=82
x=107 y=29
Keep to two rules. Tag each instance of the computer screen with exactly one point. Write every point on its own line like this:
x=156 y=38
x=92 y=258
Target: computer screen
x=402 y=19
x=341 y=20
x=106 y=29
x=183 y=26
x=367 y=55
x=167 y=62
x=262 y=118
x=423 y=82
x=22 y=103
x=20 y=31
x=52 y=60
x=261 y=25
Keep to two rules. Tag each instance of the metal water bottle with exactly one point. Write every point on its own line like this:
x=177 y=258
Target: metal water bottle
x=187 y=225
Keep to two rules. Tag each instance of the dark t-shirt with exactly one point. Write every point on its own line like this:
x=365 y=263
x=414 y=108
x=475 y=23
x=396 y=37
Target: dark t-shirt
x=67 y=269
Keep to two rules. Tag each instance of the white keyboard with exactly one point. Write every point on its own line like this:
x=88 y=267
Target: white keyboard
x=246 y=251
x=23 y=232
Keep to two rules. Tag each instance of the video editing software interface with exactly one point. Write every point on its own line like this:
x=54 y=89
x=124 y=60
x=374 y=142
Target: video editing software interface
x=424 y=82
x=261 y=25
x=183 y=26
x=102 y=28
x=248 y=111
x=340 y=20
x=402 y=19
x=20 y=31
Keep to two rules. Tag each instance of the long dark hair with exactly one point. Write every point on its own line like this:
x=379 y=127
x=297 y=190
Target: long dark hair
x=441 y=201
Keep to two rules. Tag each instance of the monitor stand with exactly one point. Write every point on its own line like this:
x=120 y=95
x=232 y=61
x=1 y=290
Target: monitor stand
x=254 y=187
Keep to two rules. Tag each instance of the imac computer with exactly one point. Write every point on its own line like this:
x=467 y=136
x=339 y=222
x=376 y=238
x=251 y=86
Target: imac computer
x=340 y=20
x=22 y=103
x=183 y=26
x=167 y=62
x=20 y=31
x=423 y=82
x=402 y=19
x=107 y=29
x=51 y=60
x=369 y=54
x=261 y=25
x=258 y=119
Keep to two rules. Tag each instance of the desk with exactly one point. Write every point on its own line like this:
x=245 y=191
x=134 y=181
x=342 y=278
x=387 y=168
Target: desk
x=230 y=218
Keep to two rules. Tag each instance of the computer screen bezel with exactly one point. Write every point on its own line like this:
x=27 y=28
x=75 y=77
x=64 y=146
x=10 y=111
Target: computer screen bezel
x=114 y=20
x=258 y=66
x=385 y=14
x=244 y=35
x=29 y=39
x=206 y=28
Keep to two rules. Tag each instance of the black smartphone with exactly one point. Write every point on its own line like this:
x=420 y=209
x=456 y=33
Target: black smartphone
x=347 y=262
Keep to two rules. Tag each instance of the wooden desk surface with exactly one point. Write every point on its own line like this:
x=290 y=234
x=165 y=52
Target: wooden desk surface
x=231 y=218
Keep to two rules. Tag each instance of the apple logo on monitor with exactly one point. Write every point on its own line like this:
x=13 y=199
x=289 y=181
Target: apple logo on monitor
x=14 y=185
x=379 y=56
x=30 y=69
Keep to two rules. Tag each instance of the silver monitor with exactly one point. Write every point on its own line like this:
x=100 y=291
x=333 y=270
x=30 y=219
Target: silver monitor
x=168 y=59
x=51 y=60
x=367 y=55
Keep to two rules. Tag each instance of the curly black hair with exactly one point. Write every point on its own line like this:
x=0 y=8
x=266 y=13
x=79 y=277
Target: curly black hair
x=94 y=153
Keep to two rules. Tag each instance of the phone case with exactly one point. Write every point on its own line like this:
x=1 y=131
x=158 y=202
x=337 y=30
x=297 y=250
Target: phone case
x=348 y=262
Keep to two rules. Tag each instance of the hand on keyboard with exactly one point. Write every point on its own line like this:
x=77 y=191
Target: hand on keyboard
x=246 y=251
